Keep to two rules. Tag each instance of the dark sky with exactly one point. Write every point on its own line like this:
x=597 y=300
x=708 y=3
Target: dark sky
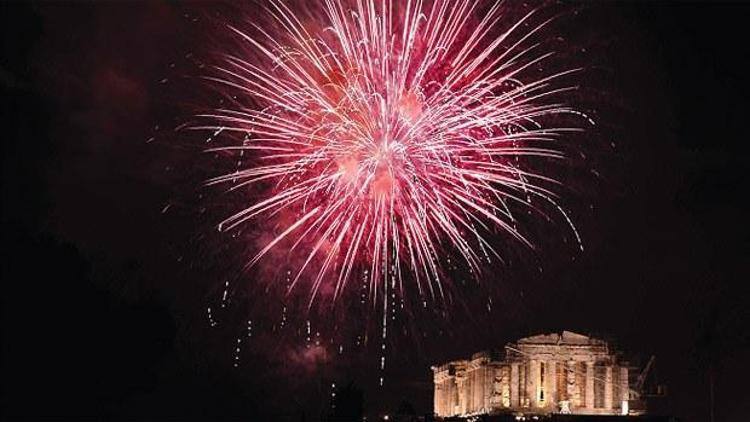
x=104 y=297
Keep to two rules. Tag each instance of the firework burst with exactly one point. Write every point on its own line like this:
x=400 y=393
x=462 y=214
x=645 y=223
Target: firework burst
x=384 y=136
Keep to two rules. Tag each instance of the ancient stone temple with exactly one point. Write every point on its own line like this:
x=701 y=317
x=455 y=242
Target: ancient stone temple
x=542 y=374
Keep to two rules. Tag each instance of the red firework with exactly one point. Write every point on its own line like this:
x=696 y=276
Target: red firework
x=391 y=131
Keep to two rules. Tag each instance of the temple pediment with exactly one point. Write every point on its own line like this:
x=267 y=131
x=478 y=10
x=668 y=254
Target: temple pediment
x=566 y=337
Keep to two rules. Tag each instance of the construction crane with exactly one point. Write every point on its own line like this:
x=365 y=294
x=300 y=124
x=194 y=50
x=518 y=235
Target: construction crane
x=642 y=377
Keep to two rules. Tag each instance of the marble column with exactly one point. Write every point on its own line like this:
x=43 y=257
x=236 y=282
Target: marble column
x=523 y=375
x=506 y=387
x=589 y=385
x=486 y=389
x=550 y=391
x=454 y=398
x=608 y=388
x=467 y=388
x=570 y=382
x=531 y=382
x=624 y=385
x=461 y=387
x=439 y=407
x=514 y=386
x=489 y=375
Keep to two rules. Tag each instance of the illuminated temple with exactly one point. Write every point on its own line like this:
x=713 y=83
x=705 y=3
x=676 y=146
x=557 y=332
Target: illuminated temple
x=538 y=375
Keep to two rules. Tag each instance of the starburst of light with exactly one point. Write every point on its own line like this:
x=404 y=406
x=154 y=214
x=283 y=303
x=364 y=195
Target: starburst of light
x=384 y=135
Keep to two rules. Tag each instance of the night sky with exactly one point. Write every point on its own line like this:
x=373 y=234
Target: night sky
x=108 y=270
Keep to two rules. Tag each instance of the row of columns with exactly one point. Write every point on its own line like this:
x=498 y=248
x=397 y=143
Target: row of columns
x=472 y=391
x=535 y=386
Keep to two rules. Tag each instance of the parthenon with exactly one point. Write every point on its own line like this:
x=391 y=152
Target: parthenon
x=541 y=374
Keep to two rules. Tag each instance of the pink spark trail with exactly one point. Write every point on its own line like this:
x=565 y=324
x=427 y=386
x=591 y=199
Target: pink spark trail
x=385 y=136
